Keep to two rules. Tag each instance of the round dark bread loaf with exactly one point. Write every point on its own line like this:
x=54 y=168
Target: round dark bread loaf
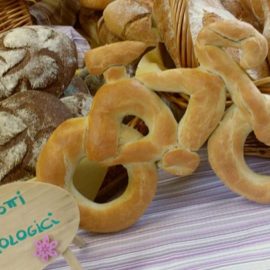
x=37 y=58
x=26 y=121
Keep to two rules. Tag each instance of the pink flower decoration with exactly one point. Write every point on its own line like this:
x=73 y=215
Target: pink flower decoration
x=45 y=249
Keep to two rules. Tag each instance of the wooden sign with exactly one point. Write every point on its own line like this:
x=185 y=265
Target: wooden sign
x=38 y=222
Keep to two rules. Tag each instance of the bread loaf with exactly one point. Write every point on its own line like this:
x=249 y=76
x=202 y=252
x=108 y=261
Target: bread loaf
x=26 y=121
x=105 y=36
x=37 y=58
x=206 y=12
x=163 y=16
x=135 y=22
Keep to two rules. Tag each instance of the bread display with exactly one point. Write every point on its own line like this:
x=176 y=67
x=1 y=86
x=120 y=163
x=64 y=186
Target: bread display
x=252 y=111
x=76 y=138
x=167 y=26
x=37 y=58
x=208 y=58
x=230 y=165
x=27 y=120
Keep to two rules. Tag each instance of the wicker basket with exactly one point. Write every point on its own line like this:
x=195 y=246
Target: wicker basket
x=187 y=56
x=13 y=13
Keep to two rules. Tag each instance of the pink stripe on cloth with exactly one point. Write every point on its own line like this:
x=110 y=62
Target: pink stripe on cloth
x=194 y=223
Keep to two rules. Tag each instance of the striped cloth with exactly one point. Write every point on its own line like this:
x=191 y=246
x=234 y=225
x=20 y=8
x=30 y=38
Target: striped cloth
x=194 y=223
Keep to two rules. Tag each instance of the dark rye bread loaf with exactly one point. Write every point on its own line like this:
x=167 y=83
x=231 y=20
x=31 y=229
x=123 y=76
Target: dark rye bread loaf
x=37 y=58
x=26 y=121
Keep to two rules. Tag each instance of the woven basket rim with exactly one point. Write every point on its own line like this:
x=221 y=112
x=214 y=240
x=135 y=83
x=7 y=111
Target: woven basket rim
x=14 y=13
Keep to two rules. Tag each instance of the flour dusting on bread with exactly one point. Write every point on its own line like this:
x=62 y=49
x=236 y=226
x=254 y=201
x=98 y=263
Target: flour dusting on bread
x=10 y=126
x=35 y=57
x=10 y=158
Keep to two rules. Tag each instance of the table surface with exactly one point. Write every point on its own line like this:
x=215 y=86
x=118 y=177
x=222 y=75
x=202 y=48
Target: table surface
x=193 y=223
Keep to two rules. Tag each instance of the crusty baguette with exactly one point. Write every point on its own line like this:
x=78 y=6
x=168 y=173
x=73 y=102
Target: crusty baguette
x=252 y=111
x=62 y=154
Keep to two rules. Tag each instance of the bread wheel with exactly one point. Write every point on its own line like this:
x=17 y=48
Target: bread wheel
x=102 y=137
x=251 y=110
x=230 y=165
x=121 y=53
x=63 y=153
x=27 y=120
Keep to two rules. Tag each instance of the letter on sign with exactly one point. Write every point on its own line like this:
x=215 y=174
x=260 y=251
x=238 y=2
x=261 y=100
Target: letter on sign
x=33 y=217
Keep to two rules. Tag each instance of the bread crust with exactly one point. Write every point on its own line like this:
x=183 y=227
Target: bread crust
x=36 y=58
x=135 y=23
x=27 y=120
x=63 y=152
x=230 y=165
